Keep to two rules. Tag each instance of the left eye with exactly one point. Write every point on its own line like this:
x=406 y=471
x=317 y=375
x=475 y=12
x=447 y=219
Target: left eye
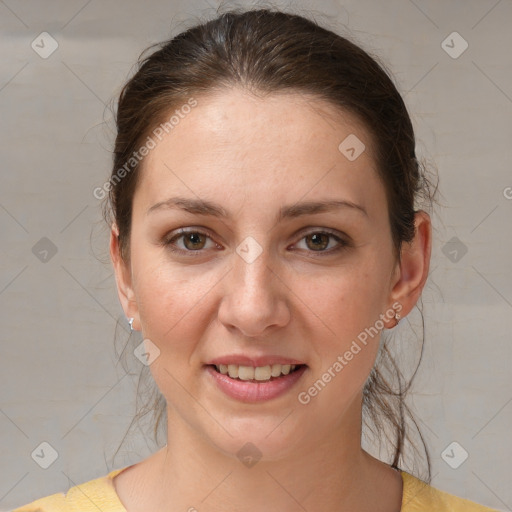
x=319 y=240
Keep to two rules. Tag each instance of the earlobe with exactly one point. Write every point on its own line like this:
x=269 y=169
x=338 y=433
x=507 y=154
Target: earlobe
x=414 y=265
x=123 y=277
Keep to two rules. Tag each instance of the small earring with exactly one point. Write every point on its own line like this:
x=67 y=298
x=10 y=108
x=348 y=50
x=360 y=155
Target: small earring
x=397 y=318
x=130 y=321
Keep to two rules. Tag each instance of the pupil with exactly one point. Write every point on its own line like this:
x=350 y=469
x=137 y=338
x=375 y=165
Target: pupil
x=194 y=238
x=316 y=238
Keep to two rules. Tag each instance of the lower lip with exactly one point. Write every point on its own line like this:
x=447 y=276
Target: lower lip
x=249 y=391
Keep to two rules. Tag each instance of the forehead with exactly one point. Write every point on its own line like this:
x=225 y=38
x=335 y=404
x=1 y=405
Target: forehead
x=287 y=144
x=234 y=118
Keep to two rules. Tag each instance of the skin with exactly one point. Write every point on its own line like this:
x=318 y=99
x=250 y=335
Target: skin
x=294 y=300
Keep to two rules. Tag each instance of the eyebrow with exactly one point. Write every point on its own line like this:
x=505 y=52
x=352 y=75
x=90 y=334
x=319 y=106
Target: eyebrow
x=204 y=207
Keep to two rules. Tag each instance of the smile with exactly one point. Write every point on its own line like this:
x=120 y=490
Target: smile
x=258 y=373
x=255 y=384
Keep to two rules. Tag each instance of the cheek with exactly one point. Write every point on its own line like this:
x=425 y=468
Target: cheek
x=346 y=307
x=160 y=299
x=166 y=301
x=345 y=302
x=168 y=309
x=348 y=347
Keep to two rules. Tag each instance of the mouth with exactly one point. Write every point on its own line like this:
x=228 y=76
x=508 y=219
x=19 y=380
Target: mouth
x=256 y=374
x=255 y=384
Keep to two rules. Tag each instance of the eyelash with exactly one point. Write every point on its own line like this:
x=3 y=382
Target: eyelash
x=168 y=242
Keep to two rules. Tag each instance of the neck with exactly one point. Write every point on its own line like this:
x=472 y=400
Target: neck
x=329 y=473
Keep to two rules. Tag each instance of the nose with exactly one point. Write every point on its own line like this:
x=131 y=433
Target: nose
x=254 y=297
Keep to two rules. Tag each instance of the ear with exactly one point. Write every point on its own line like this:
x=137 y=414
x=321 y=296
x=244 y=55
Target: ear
x=412 y=272
x=123 y=275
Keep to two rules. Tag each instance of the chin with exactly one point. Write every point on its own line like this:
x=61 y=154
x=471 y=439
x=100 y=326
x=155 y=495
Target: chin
x=262 y=439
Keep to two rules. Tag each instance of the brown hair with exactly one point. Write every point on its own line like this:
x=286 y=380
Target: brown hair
x=267 y=51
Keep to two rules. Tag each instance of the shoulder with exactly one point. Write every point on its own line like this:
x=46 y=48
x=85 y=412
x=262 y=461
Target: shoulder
x=421 y=497
x=97 y=494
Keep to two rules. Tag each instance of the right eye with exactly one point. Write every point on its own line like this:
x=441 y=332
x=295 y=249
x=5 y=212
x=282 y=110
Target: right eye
x=193 y=242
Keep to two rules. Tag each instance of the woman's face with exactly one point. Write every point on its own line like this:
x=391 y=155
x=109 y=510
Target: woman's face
x=265 y=281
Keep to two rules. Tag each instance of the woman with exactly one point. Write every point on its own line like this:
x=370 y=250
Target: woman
x=263 y=235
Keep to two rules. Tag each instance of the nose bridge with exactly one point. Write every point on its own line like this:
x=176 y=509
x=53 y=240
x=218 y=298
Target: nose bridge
x=254 y=300
x=252 y=270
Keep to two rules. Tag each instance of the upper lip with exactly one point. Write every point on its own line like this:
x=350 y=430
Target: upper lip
x=254 y=361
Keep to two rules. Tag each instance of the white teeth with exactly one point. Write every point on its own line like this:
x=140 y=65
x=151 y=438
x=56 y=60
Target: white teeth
x=286 y=369
x=262 y=373
x=276 y=370
x=245 y=372
x=233 y=370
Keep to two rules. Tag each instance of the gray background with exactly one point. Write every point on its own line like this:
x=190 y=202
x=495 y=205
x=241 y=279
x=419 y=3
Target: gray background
x=59 y=379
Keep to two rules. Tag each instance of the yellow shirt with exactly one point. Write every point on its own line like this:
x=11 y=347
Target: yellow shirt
x=100 y=494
